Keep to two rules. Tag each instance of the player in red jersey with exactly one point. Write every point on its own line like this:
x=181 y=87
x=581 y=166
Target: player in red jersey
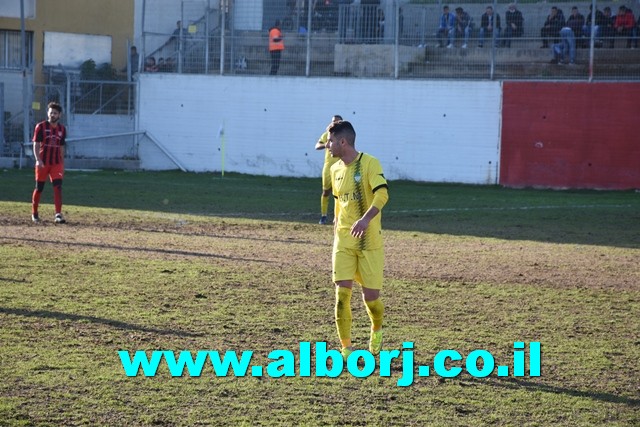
x=48 y=150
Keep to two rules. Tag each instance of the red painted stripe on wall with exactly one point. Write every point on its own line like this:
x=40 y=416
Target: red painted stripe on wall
x=570 y=135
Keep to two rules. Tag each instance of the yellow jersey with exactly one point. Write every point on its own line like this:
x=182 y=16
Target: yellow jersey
x=353 y=187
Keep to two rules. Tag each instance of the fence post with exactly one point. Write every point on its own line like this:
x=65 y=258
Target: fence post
x=396 y=32
x=223 y=19
x=308 y=58
x=26 y=107
x=592 y=38
x=180 y=39
x=494 y=40
x=144 y=39
x=67 y=107
x=206 y=39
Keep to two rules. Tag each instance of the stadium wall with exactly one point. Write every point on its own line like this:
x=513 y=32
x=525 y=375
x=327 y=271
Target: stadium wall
x=444 y=131
x=83 y=129
x=570 y=135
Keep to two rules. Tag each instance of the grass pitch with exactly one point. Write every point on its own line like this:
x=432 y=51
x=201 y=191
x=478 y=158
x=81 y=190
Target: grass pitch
x=173 y=261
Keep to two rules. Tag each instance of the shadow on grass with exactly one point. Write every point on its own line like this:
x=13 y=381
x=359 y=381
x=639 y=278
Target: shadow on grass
x=516 y=383
x=6 y=279
x=138 y=249
x=606 y=225
x=58 y=315
x=586 y=217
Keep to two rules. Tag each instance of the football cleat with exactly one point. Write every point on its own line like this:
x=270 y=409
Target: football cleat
x=59 y=219
x=35 y=218
x=346 y=352
x=375 y=342
x=323 y=220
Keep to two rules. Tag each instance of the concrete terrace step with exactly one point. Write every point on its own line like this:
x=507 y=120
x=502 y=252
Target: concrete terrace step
x=541 y=70
x=518 y=55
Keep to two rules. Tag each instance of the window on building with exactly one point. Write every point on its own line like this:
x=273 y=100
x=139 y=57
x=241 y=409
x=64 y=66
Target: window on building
x=10 y=52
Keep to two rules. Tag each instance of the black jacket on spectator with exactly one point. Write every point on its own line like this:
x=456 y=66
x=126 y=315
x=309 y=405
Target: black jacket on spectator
x=484 y=21
x=600 y=18
x=554 y=24
x=576 y=22
x=516 y=18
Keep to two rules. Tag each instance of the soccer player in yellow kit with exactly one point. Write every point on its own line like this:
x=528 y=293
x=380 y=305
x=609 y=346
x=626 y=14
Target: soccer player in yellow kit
x=323 y=144
x=360 y=192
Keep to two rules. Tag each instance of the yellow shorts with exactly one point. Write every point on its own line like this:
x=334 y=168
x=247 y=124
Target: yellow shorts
x=365 y=267
x=326 y=176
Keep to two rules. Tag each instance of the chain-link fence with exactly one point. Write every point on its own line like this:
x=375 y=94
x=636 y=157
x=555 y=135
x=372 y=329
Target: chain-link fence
x=107 y=105
x=397 y=40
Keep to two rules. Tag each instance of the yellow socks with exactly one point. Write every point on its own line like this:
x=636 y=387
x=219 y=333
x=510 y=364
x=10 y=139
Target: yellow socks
x=343 y=315
x=324 y=205
x=375 y=310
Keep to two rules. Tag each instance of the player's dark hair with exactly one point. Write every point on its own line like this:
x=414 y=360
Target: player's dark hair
x=343 y=129
x=55 y=106
x=337 y=116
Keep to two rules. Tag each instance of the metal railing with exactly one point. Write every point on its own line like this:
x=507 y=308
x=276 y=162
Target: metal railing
x=86 y=97
x=362 y=40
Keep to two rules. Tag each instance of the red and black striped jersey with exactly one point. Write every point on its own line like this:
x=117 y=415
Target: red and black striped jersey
x=51 y=139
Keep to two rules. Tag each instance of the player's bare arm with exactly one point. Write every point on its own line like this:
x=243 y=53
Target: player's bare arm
x=36 y=155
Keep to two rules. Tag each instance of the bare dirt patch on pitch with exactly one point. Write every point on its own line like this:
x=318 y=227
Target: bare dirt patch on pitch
x=412 y=256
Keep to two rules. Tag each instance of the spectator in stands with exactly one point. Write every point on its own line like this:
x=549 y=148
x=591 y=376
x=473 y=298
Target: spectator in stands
x=150 y=65
x=490 y=26
x=514 y=24
x=179 y=31
x=380 y=29
x=276 y=46
x=134 y=60
x=576 y=23
x=598 y=25
x=625 y=24
x=447 y=27
x=133 y=64
x=464 y=26
x=551 y=28
x=608 y=27
x=179 y=39
x=166 y=65
x=565 y=49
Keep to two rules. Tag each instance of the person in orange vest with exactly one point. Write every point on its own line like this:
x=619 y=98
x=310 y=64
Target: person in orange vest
x=276 y=46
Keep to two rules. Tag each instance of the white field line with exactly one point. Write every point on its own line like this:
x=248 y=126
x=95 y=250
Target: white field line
x=508 y=208
x=410 y=211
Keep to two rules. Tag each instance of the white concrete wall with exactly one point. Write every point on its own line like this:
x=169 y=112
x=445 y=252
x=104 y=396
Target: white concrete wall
x=420 y=130
x=81 y=126
x=89 y=125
